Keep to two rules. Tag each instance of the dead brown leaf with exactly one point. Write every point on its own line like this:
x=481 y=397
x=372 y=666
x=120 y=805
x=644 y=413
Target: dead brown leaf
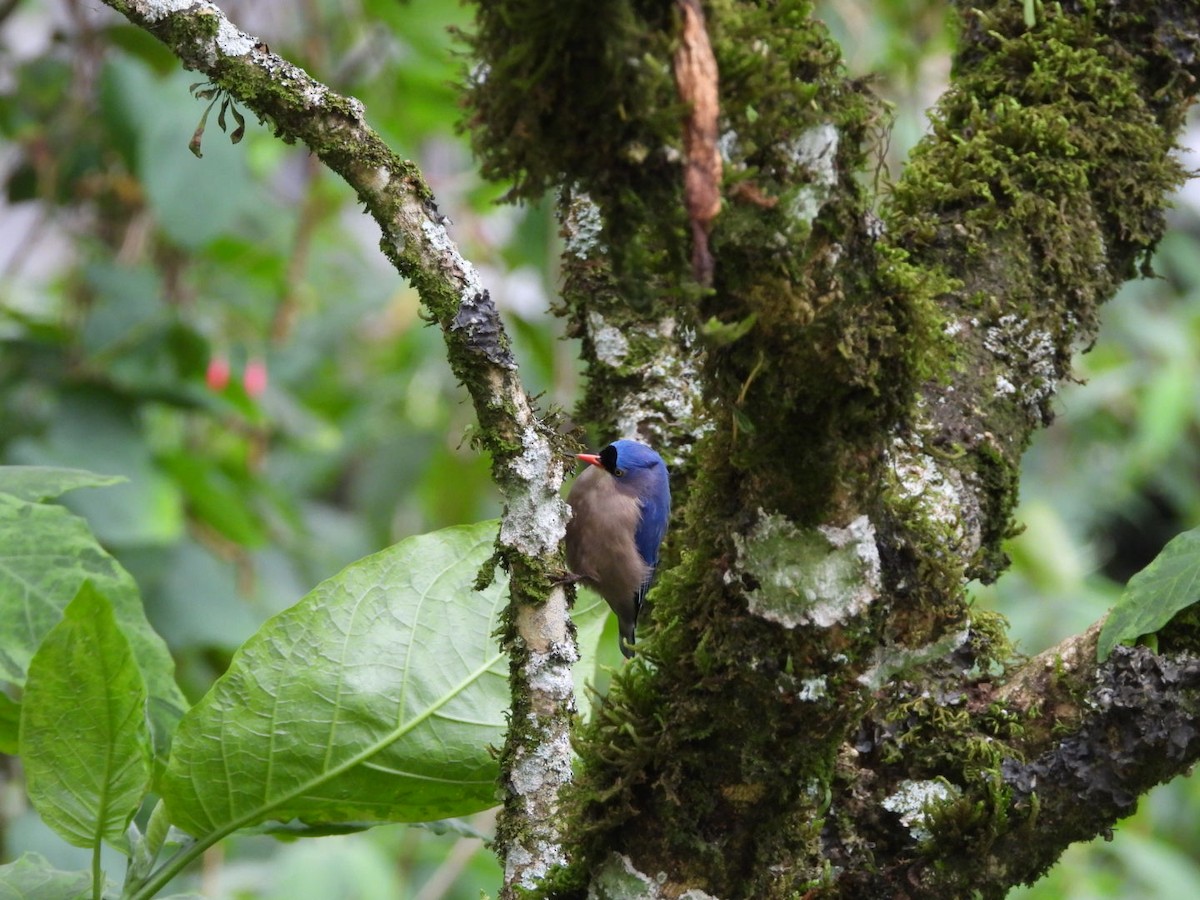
x=696 y=81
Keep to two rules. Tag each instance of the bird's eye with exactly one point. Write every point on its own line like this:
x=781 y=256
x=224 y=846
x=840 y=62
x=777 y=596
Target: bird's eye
x=619 y=472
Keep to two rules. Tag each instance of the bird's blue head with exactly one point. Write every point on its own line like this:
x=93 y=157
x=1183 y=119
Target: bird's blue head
x=627 y=459
x=640 y=472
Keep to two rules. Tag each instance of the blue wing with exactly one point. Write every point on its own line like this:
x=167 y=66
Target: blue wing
x=656 y=510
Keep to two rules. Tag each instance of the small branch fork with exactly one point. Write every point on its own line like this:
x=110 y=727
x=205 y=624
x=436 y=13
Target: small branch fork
x=525 y=463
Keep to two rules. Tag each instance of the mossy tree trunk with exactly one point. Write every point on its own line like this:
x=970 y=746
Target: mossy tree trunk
x=845 y=409
x=843 y=395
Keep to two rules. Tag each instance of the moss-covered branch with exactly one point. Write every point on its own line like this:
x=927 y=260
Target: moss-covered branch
x=956 y=788
x=1041 y=187
x=528 y=462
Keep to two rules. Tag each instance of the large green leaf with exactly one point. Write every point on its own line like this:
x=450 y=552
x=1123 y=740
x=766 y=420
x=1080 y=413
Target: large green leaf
x=379 y=696
x=46 y=554
x=84 y=740
x=32 y=877
x=38 y=483
x=1154 y=595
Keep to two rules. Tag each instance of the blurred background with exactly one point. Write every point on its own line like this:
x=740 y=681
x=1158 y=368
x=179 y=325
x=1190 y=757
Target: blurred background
x=225 y=332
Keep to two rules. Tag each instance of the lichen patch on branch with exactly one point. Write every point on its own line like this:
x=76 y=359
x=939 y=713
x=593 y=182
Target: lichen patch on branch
x=819 y=576
x=938 y=493
x=913 y=799
x=1021 y=345
x=582 y=226
x=535 y=523
x=814 y=151
x=610 y=345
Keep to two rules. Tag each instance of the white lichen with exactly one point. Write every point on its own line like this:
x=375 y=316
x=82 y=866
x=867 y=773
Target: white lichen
x=668 y=401
x=535 y=521
x=889 y=660
x=584 y=226
x=939 y=493
x=815 y=151
x=313 y=94
x=912 y=800
x=813 y=689
x=1017 y=344
x=443 y=249
x=549 y=674
x=814 y=576
x=619 y=879
x=155 y=10
x=546 y=768
x=527 y=866
x=610 y=345
x=231 y=41
x=516 y=860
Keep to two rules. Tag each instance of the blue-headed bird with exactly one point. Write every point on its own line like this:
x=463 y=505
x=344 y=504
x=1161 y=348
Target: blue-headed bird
x=619 y=509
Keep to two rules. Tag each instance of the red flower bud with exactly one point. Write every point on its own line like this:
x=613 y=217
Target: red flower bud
x=217 y=374
x=255 y=377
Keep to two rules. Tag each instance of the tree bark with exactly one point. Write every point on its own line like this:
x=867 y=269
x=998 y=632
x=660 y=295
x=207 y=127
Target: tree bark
x=818 y=709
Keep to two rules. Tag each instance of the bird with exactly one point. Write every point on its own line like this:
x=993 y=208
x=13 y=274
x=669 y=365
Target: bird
x=620 y=505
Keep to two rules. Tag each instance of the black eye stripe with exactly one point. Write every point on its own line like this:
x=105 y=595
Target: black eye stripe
x=608 y=459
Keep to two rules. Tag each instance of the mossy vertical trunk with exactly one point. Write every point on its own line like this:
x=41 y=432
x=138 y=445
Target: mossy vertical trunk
x=867 y=386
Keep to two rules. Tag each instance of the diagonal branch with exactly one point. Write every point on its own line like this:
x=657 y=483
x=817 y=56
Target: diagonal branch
x=526 y=464
x=1137 y=728
x=1059 y=753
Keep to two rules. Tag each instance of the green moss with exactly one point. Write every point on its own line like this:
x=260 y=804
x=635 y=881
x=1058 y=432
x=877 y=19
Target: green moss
x=563 y=92
x=1047 y=134
x=183 y=31
x=971 y=823
x=1050 y=155
x=584 y=96
x=990 y=645
x=946 y=737
x=1182 y=635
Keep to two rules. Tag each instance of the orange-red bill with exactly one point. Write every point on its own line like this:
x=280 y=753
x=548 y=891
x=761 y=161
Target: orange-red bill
x=589 y=458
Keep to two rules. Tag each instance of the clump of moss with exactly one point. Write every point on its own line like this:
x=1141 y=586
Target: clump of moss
x=560 y=93
x=1046 y=132
x=583 y=95
x=1040 y=185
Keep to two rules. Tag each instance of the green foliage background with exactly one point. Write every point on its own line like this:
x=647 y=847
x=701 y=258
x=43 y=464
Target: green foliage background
x=127 y=266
